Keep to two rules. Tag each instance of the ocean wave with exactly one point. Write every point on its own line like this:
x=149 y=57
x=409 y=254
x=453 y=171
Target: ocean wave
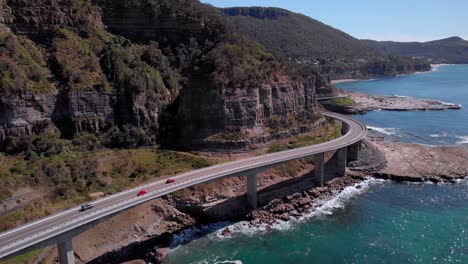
x=387 y=131
x=193 y=233
x=442 y=134
x=215 y=261
x=320 y=208
x=450 y=104
x=436 y=67
x=463 y=140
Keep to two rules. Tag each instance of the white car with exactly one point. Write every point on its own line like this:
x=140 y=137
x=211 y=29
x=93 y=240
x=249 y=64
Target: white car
x=86 y=207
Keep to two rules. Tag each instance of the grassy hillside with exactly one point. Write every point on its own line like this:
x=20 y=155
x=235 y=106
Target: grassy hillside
x=450 y=50
x=296 y=36
x=310 y=43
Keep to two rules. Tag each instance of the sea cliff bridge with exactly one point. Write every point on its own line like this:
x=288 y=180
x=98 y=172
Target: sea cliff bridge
x=60 y=228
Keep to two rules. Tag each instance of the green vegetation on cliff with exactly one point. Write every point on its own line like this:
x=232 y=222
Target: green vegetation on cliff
x=242 y=64
x=22 y=66
x=81 y=81
x=338 y=105
x=296 y=36
x=322 y=135
x=67 y=176
x=309 y=43
x=449 y=50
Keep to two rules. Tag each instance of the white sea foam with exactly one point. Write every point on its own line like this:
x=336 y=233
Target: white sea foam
x=463 y=140
x=387 y=131
x=436 y=67
x=327 y=207
x=462 y=181
x=401 y=96
x=205 y=261
x=190 y=234
x=450 y=104
x=442 y=134
x=319 y=208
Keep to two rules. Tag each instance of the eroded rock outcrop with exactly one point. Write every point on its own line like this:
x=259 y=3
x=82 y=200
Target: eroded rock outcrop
x=170 y=68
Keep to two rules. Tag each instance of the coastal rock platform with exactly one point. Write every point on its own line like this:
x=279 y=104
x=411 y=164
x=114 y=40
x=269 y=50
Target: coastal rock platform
x=364 y=103
x=419 y=163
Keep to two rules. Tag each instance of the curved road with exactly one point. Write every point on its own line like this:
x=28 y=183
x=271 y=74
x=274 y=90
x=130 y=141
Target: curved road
x=28 y=235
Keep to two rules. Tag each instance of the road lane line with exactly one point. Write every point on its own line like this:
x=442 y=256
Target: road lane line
x=201 y=176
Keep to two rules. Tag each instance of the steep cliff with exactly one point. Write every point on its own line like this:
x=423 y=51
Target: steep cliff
x=70 y=72
x=173 y=70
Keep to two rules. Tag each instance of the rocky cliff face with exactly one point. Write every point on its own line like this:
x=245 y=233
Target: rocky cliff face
x=70 y=67
x=199 y=115
x=27 y=16
x=26 y=115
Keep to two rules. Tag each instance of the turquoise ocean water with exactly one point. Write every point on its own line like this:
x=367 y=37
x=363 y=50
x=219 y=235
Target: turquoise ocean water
x=447 y=84
x=382 y=222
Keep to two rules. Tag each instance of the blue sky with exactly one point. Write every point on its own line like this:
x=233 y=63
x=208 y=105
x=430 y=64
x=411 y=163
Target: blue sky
x=400 y=20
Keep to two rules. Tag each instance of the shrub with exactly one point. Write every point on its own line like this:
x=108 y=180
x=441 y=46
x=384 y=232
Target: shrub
x=86 y=141
x=126 y=137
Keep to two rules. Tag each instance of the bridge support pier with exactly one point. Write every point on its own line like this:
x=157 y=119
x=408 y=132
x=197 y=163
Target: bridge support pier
x=252 y=190
x=344 y=128
x=65 y=252
x=353 y=151
x=341 y=161
x=319 y=171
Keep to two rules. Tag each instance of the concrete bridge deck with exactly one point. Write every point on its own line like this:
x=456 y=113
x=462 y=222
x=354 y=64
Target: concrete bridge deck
x=60 y=228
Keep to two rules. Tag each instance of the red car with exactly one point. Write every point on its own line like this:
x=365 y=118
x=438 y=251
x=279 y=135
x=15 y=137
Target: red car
x=142 y=192
x=170 y=181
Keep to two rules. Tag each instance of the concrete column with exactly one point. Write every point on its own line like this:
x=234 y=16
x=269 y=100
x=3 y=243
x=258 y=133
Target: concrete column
x=353 y=151
x=319 y=163
x=344 y=128
x=341 y=161
x=65 y=252
x=252 y=190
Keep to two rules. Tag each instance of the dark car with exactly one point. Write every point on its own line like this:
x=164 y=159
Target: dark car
x=170 y=181
x=86 y=207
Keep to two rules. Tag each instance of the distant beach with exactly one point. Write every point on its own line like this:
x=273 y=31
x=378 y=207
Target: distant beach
x=344 y=81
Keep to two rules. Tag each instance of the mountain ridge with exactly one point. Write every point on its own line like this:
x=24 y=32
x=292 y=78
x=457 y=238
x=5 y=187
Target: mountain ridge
x=311 y=43
x=448 y=50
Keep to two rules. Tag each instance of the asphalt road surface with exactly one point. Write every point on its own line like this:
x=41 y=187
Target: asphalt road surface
x=30 y=234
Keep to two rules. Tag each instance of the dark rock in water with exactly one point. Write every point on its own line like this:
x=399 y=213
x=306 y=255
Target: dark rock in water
x=304 y=201
x=137 y=261
x=400 y=178
x=158 y=255
x=284 y=217
x=226 y=232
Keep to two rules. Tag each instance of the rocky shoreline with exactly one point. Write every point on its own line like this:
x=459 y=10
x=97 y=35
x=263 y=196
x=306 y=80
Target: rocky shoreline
x=365 y=103
x=145 y=234
x=418 y=163
x=362 y=103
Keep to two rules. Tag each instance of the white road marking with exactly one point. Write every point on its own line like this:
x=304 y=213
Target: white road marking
x=244 y=165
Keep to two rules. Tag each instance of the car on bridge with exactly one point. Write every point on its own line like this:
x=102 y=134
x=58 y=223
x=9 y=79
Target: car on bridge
x=86 y=207
x=170 y=181
x=142 y=192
